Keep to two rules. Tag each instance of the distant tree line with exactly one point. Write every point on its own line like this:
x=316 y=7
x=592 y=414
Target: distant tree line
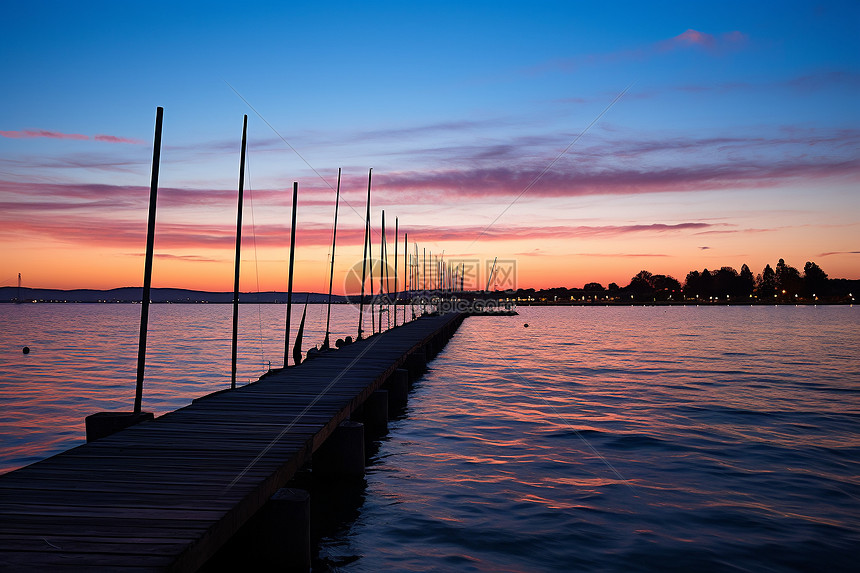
x=781 y=284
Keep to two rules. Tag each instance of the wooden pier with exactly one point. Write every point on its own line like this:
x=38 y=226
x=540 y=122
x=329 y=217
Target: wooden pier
x=166 y=494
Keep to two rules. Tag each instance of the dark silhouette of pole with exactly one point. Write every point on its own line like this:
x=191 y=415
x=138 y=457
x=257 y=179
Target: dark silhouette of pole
x=396 y=285
x=364 y=261
x=290 y=273
x=297 y=349
x=492 y=271
x=238 y=254
x=331 y=273
x=382 y=269
x=147 y=266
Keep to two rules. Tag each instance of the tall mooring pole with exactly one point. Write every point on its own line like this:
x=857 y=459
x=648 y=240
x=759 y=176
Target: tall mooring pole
x=290 y=273
x=238 y=254
x=147 y=268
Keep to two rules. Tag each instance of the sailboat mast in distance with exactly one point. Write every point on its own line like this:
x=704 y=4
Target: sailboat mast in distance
x=492 y=270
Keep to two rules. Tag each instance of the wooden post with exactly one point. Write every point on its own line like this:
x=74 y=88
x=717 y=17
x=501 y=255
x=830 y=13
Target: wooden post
x=375 y=412
x=342 y=454
x=147 y=266
x=398 y=390
x=331 y=273
x=290 y=273
x=281 y=535
x=417 y=364
x=396 y=290
x=364 y=261
x=238 y=254
x=382 y=271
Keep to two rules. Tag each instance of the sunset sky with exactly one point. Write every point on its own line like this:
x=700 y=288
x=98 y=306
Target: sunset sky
x=584 y=141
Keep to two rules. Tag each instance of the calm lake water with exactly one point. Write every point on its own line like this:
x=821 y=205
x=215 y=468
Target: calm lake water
x=596 y=439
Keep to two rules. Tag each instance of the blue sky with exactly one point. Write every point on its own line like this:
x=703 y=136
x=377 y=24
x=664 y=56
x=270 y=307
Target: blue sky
x=735 y=142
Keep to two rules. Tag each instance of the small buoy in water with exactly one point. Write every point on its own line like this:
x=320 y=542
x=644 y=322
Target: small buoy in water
x=26 y=350
x=526 y=325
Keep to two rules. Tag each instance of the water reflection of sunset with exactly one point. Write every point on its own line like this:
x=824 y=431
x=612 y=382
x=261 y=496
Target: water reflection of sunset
x=620 y=432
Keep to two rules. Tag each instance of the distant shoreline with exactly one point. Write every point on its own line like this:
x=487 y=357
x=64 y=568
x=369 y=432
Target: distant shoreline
x=133 y=295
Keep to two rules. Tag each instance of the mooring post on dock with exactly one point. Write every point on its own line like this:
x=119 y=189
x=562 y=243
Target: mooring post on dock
x=235 y=343
x=282 y=531
x=290 y=275
x=375 y=412
x=326 y=343
x=364 y=262
x=416 y=363
x=398 y=390
x=342 y=454
x=147 y=266
x=396 y=285
x=102 y=424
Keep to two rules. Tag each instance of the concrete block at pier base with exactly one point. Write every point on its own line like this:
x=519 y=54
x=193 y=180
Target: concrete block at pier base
x=102 y=424
x=398 y=390
x=417 y=364
x=281 y=538
x=342 y=454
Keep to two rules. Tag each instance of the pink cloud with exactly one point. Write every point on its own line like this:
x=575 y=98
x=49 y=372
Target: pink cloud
x=689 y=38
x=89 y=230
x=115 y=139
x=428 y=186
x=693 y=37
x=620 y=255
x=30 y=133
x=702 y=39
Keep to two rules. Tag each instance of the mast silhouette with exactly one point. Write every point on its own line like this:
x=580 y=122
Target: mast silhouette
x=492 y=271
x=364 y=260
x=147 y=267
x=325 y=344
x=396 y=244
x=290 y=273
x=297 y=349
x=383 y=278
x=238 y=255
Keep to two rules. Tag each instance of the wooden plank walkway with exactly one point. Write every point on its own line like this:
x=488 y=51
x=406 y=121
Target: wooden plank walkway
x=166 y=494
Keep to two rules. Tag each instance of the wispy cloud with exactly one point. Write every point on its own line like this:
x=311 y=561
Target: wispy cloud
x=183 y=258
x=572 y=180
x=839 y=253
x=34 y=133
x=115 y=139
x=622 y=255
x=31 y=133
x=711 y=42
x=85 y=229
